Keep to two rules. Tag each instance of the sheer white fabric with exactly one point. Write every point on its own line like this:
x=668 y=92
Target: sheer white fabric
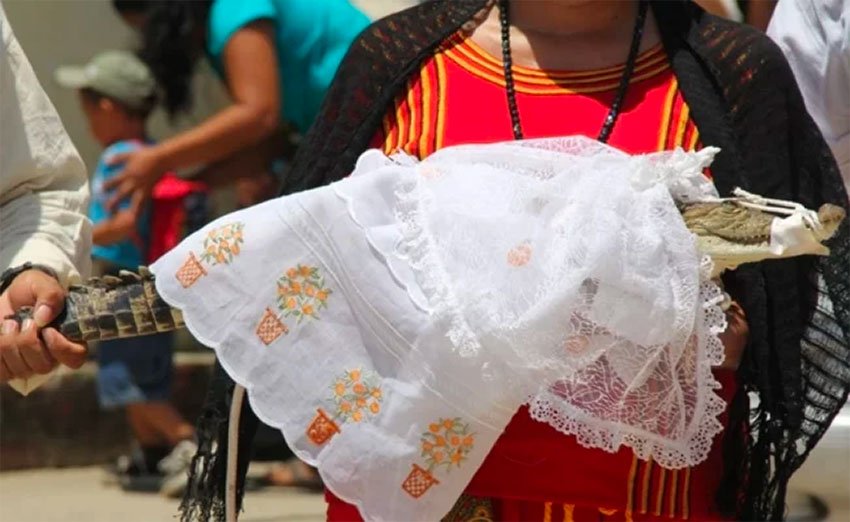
x=392 y=323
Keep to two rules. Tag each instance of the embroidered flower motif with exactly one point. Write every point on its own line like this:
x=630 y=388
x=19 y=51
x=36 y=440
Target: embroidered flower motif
x=418 y=481
x=322 y=428
x=270 y=327
x=447 y=444
x=223 y=243
x=190 y=271
x=301 y=292
x=430 y=173
x=357 y=395
x=519 y=255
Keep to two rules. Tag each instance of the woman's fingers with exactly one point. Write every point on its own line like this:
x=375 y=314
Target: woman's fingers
x=736 y=336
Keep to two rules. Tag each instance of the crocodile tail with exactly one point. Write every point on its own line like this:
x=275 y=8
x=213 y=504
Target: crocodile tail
x=116 y=307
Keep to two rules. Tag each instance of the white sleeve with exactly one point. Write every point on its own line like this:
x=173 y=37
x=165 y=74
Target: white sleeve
x=815 y=37
x=43 y=183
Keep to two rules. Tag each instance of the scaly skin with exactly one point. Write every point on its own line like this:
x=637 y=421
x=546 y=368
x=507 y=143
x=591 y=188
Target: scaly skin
x=733 y=235
x=113 y=307
x=128 y=306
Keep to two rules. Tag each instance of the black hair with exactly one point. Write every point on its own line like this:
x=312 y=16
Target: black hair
x=142 y=111
x=170 y=47
x=125 y=7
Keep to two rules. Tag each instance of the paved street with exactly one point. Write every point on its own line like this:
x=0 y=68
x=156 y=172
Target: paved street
x=78 y=494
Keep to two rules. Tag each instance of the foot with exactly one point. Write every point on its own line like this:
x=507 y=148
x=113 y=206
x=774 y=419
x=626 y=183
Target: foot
x=294 y=474
x=139 y=462
x=175 y=467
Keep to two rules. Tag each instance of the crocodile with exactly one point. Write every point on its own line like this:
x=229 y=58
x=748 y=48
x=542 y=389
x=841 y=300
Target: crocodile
x=732 y=231
x=733 y=234
x=112 y=307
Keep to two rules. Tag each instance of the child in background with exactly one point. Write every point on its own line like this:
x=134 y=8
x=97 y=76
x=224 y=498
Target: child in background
x=118 y=93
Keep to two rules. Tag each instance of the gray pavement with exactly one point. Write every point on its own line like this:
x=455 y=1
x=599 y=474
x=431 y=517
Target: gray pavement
x=79 y=494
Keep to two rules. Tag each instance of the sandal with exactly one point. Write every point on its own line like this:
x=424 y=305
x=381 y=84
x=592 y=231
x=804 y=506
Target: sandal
x=294 y=474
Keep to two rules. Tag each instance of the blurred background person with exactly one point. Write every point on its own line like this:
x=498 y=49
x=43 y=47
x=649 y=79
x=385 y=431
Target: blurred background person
x=276 y=57
x=45 y=234
x=754 y=12
x=758 y=12
x=814 y=35
x=117 y=93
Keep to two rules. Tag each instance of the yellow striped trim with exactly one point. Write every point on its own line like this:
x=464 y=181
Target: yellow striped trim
x=543 y=77
x=684 y=113
x=647 y=472
x=482 y=56
x=674 y=482
x=388 y=134
x=569 y=509
x=547 y=512
x=553 y=88
x=441 y=100
x=401 y=123
x=692 y=142
x=665 y=115
x=426 y=113
x=686 y=495
x=413 y=123
x=630 y=488
x=659 y=499
x=607 y=511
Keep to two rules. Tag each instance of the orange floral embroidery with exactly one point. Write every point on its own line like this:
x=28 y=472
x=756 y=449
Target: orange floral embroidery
x=430 y=173
x=357 y=395
x=270 y=327
x=190 y=271
x=223 y=243
x=322 y=428
x=418 y=481
x=447 y=444
x=301 y=292
x=519 y=255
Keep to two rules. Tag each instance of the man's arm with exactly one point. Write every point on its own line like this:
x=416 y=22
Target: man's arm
x=118 y=227
x=43 y=182
x=43 y=196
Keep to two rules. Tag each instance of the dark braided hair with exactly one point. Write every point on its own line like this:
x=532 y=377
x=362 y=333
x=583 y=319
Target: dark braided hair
x=171 y=46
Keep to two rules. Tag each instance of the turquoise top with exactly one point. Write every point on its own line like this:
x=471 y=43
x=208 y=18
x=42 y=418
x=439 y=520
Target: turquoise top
x=311 y=38
x=128 y=253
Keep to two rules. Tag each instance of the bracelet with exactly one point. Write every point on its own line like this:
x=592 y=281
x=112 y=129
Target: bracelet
x=9 y=275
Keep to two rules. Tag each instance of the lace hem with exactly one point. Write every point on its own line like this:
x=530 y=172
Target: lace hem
x=609 y=436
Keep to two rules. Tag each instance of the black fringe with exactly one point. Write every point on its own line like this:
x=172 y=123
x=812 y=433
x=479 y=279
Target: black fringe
x=204 y=499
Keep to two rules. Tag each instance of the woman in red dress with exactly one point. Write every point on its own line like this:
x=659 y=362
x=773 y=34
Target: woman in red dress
x=642 y=76
x=459 y=96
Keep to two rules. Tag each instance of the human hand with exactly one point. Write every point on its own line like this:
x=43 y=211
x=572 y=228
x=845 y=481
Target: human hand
x=735 y=337
x=26 y=349
x=141 y=170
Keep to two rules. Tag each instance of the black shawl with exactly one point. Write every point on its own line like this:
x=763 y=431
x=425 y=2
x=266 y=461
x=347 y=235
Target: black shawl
x=744 y=99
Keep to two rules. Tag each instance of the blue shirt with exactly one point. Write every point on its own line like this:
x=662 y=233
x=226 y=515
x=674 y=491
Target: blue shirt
x=127 y=253
x=311 y=38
